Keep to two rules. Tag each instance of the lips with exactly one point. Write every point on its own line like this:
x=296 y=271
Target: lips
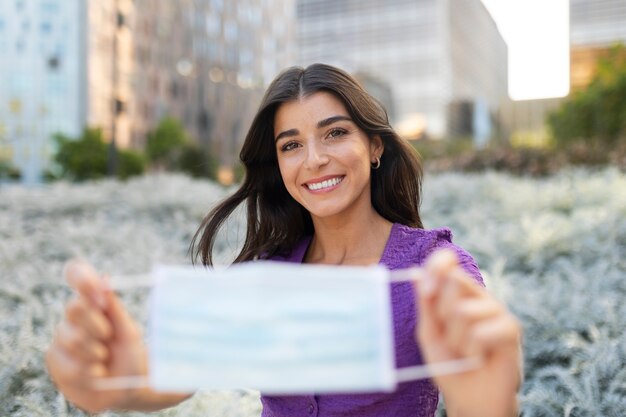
x=323 y=183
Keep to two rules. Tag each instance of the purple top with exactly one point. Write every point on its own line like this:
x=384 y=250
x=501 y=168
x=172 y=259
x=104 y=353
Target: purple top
x=406 y=247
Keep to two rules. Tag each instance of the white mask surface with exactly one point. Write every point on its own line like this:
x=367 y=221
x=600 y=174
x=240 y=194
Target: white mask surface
x=279 y=328
x=274 y=327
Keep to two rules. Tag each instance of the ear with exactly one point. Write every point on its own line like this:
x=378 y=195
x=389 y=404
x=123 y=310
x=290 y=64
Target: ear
x=377 y=147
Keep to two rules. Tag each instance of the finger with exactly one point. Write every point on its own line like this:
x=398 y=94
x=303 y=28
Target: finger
x=464 y=316
x=428 y=326
x=75 y=342
x=467 y=285
x=448 y=298
x=63 y=367
x=487 y=336
x=93 y=322
x=85 y=279
x=441 y=262
x=455 y=287
x=438 y=266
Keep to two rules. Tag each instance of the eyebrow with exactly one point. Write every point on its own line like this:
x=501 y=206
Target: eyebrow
x=322 y=123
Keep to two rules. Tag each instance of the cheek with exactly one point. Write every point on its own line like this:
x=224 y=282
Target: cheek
x=359 y=158
x=287 y=173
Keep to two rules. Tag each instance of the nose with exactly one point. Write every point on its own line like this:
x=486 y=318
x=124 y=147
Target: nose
x=316 y=156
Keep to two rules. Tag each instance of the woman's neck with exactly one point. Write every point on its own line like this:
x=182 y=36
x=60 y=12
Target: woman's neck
x=357 y=240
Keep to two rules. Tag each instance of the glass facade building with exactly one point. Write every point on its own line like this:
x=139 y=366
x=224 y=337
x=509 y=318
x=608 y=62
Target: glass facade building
x=207 y=62
x=122 y=65
x=40 y=63
x=597 y=22
x=444 y=61
x=595 y=25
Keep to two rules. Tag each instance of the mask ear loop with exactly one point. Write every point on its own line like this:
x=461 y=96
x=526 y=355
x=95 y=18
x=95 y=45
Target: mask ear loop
x=414 y=373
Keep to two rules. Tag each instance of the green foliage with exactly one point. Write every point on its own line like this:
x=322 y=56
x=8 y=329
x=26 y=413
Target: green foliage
x=8 y=170
x=240 y=172
x=166 y=142
x=431 y=149
x=131 y=163
x=196 y=162
x=598 y=113
x=85 y=158
x=170 y=148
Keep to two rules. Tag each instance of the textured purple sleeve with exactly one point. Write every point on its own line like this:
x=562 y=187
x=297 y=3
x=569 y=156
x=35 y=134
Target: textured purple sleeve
x=466 y=260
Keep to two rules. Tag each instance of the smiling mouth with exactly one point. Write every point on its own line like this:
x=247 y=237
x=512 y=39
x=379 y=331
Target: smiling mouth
x=315 y=186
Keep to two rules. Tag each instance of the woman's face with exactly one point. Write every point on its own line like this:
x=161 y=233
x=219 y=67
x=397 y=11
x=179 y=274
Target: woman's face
x=324 y=158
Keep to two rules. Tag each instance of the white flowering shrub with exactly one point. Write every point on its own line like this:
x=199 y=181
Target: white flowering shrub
x=553 y=249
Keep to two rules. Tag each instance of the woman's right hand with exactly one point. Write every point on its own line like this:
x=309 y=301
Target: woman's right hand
x=97 y=338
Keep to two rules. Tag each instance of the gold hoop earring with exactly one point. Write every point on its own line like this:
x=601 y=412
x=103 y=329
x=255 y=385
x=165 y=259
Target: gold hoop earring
x=376 y=164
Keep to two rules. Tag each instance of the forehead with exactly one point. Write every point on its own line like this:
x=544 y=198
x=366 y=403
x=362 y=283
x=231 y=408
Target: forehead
x=308 y=110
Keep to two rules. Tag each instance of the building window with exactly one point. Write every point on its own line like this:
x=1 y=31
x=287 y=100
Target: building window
x=20 y=46
x=119 y=106
x=121 y=20
x=54 y=63
x=49 y=7
x=217 y=5
x=173 y=89
x=46 y=28
x=56 y=86
x=230 y=31
x=213 y=25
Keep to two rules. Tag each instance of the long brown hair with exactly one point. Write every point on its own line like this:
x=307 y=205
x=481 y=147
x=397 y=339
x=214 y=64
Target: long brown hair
x=275 y=220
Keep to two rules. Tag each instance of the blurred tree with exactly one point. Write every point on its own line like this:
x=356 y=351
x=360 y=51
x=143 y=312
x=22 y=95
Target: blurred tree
x=85 y=158
x=130 y=163
x=596 y=114
x=8 y=170
x=165 y=143
x=197 y=163
x=169 y=147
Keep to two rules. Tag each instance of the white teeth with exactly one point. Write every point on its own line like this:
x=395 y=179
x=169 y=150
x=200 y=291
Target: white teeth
x=324 y=184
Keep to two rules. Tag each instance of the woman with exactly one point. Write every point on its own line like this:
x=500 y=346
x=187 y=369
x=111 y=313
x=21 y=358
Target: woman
x=327 y=181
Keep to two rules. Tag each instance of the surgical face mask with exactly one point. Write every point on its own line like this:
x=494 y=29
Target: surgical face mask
x=277 y=328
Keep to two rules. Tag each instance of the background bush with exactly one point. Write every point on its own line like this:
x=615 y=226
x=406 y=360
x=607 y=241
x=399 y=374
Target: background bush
x=170 y=148
x=165 y=143
x=85 y=158
x=553 y=248
x=597 y=113
x=8 y=170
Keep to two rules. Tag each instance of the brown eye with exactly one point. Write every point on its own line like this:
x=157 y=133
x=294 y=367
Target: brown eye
x=289 y=146
x=335 y=133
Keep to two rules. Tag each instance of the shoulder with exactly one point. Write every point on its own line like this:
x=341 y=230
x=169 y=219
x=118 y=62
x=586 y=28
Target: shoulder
x=408 y=246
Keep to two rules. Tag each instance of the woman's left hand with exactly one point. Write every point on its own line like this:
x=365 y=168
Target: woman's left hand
x=459 y=319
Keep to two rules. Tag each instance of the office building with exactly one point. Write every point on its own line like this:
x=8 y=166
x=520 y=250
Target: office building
x=122 y=65
x=207 y=64
x=40 y=60
x=595 y=26
x=444 y=61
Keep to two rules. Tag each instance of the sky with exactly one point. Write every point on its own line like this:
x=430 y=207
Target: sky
x=537 y=34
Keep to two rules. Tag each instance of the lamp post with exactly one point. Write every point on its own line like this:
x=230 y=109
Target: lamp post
x=115 y=103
